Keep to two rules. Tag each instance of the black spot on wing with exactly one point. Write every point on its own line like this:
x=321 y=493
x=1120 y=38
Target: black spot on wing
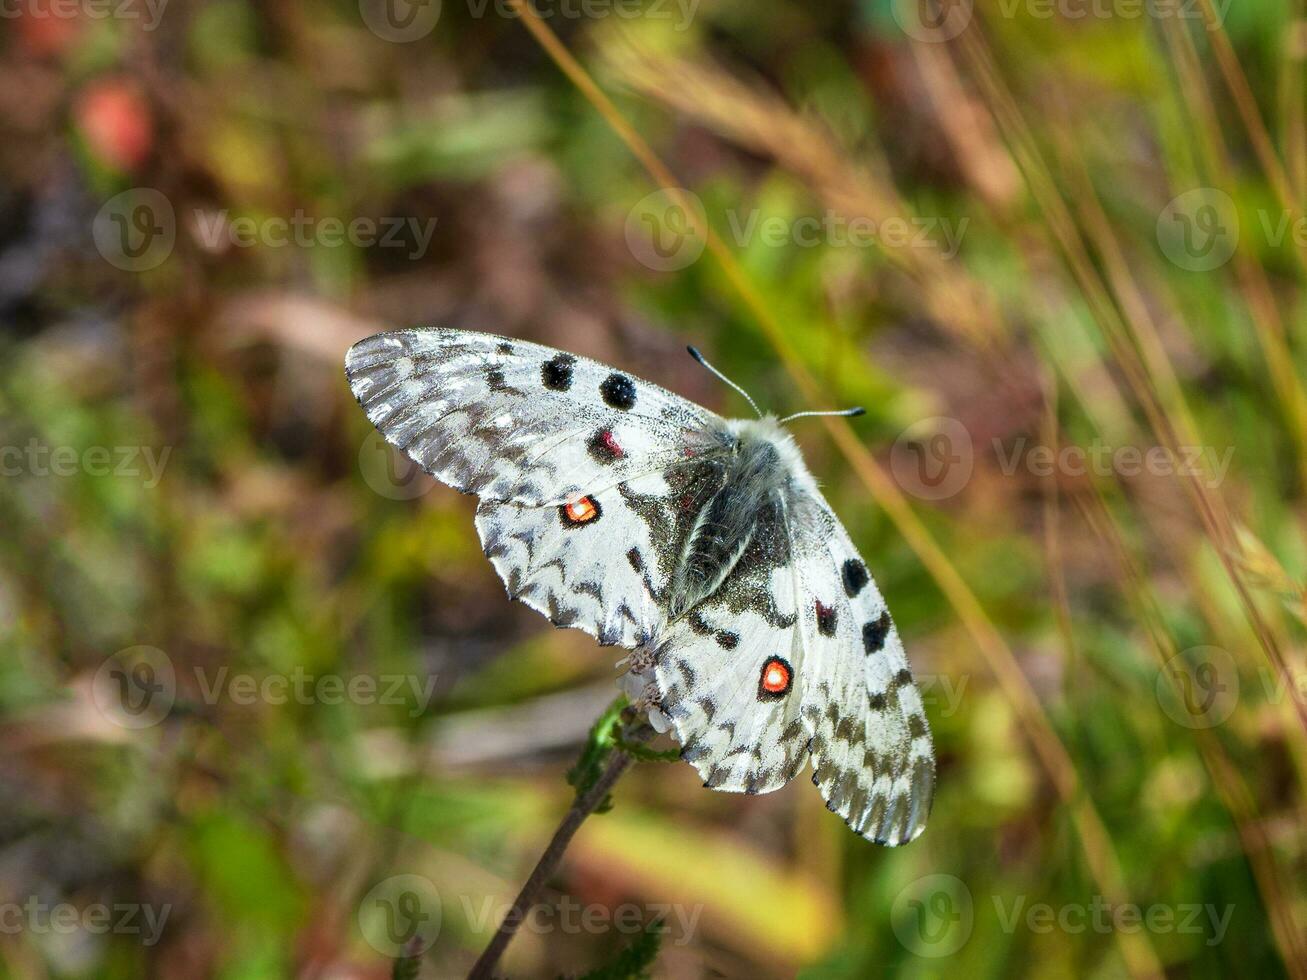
x=727 y=640
x=855 y=577
x=618 y=391
x=874 y=633
x=556 y=373
x=504 y=348
x=826 y=619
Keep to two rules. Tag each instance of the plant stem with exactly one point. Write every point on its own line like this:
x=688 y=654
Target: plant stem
x=548 y=863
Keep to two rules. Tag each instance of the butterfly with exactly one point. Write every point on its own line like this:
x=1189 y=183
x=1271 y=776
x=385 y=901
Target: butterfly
x=699 y=543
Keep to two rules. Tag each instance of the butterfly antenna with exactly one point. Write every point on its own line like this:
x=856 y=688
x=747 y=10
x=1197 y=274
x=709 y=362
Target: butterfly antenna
x=699 y=357
x=847 y=413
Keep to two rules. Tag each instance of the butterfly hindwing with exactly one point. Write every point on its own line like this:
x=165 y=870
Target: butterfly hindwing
x=515 y=421
x=730 y=677
x=871 y=749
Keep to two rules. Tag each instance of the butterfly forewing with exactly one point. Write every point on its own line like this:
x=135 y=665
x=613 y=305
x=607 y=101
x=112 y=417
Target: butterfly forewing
x=514 y=421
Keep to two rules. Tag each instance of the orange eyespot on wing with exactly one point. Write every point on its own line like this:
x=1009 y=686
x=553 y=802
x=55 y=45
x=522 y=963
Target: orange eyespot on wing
x=583 y=510
x=776 y=679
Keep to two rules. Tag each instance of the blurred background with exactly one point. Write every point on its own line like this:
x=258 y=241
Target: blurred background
x=265 y=710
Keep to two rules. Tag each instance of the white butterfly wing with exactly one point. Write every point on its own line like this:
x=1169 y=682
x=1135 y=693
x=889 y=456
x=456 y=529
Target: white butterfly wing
x=514 y=421
x=591 y=567
x=872 y=756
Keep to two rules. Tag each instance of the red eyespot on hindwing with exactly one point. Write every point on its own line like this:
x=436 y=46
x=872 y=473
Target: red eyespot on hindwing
x=583 y=510
x=776 y=679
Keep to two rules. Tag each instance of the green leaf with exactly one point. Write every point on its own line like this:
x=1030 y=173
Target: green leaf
x=594 y=757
